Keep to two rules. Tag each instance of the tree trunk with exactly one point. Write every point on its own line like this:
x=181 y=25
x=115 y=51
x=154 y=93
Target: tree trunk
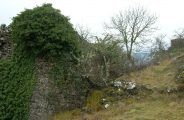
x=106 y=66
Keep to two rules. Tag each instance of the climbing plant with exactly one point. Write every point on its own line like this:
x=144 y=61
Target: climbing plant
x=17 y=81
x=39 y=32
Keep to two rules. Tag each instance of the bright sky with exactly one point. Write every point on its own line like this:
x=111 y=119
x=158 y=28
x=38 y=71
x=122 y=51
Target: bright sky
x=93 y=13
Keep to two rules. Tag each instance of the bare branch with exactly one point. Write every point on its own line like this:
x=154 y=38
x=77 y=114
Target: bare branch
x=133 y=24
x=84 y=32
x=179 y=34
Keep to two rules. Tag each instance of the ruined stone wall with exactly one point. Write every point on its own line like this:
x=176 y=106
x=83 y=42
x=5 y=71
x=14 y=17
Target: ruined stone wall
x=177 y=43
x=47 y=98
x=5 y=42
x=40 y=108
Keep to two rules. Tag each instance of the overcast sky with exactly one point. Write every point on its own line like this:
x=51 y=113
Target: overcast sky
x=93 y=13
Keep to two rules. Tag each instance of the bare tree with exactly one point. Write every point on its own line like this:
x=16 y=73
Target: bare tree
x=101 y=49
x=132 y=26
x=159 y=47
x=108 y=52
x=84 y=32
x=179 y=34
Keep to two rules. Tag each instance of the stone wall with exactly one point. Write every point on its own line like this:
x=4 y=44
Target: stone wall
x=48 y=99
x=40 y=108
x=5 y=42
x=177 y=43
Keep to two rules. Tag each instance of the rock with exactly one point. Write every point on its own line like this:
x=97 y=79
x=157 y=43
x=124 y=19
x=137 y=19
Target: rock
x=117 y=84
x=106 y=106
x=2 y=39
x=119 y=89
x=131 y=85
x=5 y=44
x=104 y=100
x=168 y=89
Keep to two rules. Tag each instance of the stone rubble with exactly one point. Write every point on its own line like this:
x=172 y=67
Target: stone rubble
x=106 y=106
x=126 y=85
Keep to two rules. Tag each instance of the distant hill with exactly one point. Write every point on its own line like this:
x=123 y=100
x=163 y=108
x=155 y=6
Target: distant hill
x=142 y=57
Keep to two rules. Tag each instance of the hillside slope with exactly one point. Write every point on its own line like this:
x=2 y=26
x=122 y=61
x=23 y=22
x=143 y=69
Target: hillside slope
x=155 y=106
x=159 y=76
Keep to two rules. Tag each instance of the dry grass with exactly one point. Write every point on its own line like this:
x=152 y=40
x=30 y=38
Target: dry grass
x=156 y=107
x=153 y=110
x=156 y=75
x=159 y=108
x=68 y=115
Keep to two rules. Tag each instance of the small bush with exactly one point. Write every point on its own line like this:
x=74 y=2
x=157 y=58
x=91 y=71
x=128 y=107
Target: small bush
x=94 y=101
x=180 y=75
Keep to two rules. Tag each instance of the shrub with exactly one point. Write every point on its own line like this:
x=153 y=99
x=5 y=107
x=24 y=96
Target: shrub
x=180 y=75
x=44 y=31
x=94 y=101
